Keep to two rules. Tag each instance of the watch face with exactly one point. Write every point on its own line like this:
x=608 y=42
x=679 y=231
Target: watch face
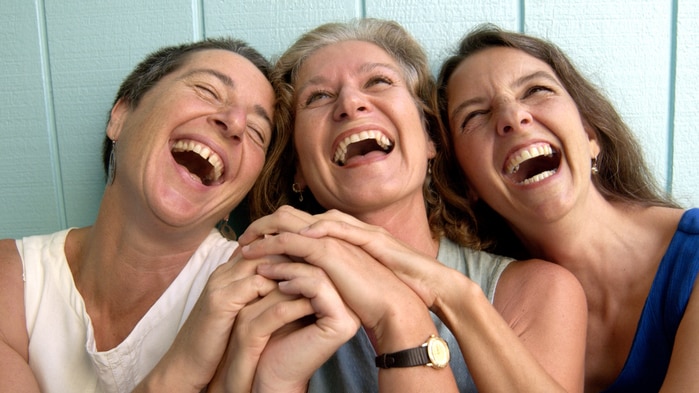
x=438 y=351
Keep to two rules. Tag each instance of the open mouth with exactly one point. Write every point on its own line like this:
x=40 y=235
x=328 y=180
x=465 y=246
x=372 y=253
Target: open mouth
x=202 y=163
x=533 y=164
x=361 y=144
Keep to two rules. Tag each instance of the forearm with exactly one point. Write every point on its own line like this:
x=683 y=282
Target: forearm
x=172 y=374
x=409 y=327
x=498 y=359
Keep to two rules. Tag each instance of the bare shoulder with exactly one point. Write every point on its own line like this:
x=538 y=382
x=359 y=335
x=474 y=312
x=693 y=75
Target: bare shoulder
x=538 y=284
x=545 y=306
x=13 y=330
x=535 y=272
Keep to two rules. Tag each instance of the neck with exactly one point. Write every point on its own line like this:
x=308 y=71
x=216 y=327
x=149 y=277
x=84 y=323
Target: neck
x=128 y=255
x=122 y=265
x=406 y=222
x=608 y=245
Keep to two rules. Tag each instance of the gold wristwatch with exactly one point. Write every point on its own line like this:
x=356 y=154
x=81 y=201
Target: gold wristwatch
x=433 y=353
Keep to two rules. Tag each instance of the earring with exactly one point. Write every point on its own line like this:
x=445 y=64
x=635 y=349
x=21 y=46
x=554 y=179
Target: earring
x=226 y=229
x=111 y=168
x=297 y=189
x=595 y=170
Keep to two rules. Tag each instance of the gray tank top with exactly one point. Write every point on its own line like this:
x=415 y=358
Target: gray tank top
x=351 y=369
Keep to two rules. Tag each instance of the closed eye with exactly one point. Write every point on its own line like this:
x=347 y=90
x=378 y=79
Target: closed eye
x=470 y=117
x=207 y=91
x=257 y=134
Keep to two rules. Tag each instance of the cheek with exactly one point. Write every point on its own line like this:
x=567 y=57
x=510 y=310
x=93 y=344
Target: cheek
x=468 y=152
x=474 y=158
x=252 y=165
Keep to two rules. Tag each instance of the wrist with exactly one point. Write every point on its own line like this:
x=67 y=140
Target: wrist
x=171 y=375
x=433 y=353
x=403 y=327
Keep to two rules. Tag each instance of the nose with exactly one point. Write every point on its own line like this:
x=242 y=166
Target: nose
x=350 y=103
x=512 y=116
x=230 y=121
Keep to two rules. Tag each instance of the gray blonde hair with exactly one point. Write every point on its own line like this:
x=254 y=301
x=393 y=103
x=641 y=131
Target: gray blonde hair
x=275 y=187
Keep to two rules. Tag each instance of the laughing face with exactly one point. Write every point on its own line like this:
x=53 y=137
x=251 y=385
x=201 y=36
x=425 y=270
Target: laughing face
x=196 y=142
x=358 y=131
x=518 y=135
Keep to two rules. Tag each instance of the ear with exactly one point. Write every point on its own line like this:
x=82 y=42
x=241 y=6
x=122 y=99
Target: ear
x=595 y=148
x=472 y=194
x=431 y=149
x=117 y=117
x=299 y=179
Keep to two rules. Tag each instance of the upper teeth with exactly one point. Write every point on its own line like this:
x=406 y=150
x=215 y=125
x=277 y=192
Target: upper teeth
x=204 y=152
x=527 y=154
x=341 y=151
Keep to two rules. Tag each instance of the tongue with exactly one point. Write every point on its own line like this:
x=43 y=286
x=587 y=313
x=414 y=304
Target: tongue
x=361 y=150
x=358 y=159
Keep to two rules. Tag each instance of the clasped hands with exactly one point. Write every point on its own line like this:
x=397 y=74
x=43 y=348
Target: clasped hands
x=319 y=278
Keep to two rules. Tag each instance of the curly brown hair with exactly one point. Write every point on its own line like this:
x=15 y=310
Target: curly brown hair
x=275 y=186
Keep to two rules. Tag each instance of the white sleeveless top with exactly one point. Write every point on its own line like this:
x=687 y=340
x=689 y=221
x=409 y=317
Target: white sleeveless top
x=62 y=351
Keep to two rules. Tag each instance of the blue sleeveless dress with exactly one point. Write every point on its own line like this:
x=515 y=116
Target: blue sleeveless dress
x=649 y=357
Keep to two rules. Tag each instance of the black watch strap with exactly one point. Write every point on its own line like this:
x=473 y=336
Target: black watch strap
x=405 y=358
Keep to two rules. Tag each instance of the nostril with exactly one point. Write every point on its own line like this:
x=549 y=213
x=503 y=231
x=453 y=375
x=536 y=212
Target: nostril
x=221 y=124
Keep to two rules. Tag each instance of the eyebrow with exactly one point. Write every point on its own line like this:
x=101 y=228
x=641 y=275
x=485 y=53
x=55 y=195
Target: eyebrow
x=517 y=83
x=226 y=80
x=317 y=80
x=222 y=77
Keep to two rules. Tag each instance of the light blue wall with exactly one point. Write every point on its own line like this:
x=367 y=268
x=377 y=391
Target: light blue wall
x=62 y=61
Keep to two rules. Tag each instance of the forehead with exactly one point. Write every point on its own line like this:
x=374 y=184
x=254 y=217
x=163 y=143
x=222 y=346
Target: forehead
x=497 y=65
x=346 y=56
x=235 y=66
x=237 y=71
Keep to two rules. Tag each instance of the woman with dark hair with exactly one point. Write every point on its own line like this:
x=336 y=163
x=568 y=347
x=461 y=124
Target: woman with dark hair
x=98 y=308
x=543 y=166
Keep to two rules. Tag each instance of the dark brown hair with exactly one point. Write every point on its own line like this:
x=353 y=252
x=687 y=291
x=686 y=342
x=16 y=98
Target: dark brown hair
x=623 y=173
x=167 y=60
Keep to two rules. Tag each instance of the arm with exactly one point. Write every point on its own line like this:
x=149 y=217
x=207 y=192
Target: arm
x=191 y=361
x=15 y=374
x=272 y=347
x=682 y=371
x=387 y=307
x=533 y=336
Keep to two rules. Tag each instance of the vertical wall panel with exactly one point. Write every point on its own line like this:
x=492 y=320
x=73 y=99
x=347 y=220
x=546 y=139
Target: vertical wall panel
x=685 y=182
x=271 y=26
x=93 y=45
x=624 y=47
x=28 y=192
x=438 y=25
